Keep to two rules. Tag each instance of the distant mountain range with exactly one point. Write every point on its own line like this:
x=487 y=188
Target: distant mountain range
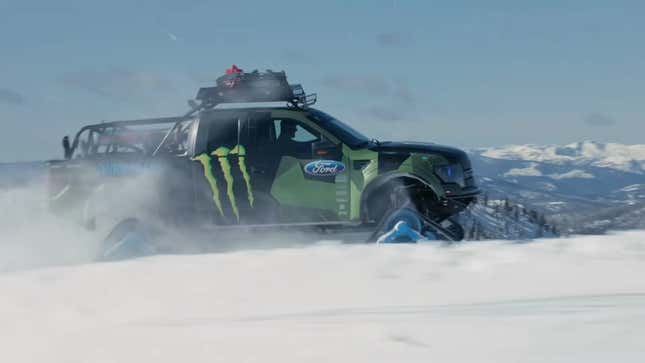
x=585 y=187
x=624 y=158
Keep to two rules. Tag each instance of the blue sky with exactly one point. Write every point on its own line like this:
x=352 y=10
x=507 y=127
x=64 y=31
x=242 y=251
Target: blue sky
x=462 y=73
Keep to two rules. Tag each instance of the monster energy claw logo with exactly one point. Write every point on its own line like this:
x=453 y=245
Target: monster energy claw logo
x=222 y=154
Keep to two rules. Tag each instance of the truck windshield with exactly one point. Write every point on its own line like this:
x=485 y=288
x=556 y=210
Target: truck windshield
x=346 y=134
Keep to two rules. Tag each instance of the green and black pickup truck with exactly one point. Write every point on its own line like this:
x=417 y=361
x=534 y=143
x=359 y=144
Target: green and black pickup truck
x=252 y=154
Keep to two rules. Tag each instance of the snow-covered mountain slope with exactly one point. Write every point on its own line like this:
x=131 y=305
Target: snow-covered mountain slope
x=631 y=192
x=627 y=158
x=558 y=179
x=572 y=300
x=629 y=216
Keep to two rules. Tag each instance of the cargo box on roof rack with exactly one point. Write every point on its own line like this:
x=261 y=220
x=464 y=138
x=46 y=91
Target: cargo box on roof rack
x=236 y=86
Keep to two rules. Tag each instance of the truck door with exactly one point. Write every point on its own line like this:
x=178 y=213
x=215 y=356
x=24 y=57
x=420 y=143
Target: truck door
x=223 y=184
x=299 y=186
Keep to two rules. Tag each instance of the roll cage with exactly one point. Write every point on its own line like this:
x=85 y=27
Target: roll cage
x=145 y=137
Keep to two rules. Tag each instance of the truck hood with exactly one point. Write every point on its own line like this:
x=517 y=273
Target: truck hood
x=454 y=155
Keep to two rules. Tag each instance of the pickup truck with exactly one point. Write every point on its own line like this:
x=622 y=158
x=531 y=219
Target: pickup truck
x=253 y=155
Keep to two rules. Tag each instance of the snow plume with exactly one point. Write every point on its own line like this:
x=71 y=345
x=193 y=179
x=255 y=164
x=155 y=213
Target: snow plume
x=565 y=300
x=31 y=235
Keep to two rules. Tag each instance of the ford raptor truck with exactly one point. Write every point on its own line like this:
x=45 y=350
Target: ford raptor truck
x=252 y=155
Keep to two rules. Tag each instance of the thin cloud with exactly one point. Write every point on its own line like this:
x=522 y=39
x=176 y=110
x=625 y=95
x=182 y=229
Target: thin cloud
x=380 y=113
x=599 y=120
x=372 y=86
x=115 y=83
x=11 y=97
x=297 y=56
x=404 y=94
x=173 y=37
x=391 y=112
x=392 y=39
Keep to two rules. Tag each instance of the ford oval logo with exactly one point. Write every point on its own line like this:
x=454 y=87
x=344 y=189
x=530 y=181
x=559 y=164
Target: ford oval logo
x=324 y=168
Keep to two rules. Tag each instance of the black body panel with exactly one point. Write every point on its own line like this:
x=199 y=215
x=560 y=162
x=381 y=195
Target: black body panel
x=454 y=155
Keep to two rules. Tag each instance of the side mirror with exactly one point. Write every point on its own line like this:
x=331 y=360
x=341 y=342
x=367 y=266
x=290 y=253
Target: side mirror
x=67 y=149
x=325 y=149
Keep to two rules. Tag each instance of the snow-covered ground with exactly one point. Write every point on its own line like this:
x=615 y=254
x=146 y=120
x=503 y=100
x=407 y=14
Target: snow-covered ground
x=580 y=299
x=568 y=300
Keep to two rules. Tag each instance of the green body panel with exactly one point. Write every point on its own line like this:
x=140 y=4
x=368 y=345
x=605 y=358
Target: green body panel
x=291 y=188
x=359 y=178
x=342 y=197
x=422 y=165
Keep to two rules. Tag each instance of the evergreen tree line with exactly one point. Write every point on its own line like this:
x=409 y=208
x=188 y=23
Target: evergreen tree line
x=511 y=216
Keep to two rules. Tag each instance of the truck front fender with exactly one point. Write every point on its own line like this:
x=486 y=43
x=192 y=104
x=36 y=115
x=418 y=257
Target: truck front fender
x=372 y=189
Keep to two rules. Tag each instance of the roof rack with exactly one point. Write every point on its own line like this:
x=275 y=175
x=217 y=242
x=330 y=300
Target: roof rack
x=236 y=86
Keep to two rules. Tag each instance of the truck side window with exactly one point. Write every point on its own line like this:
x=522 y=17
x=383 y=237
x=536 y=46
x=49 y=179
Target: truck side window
x=222 y=132
x=293 y=138
x=300 y=133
